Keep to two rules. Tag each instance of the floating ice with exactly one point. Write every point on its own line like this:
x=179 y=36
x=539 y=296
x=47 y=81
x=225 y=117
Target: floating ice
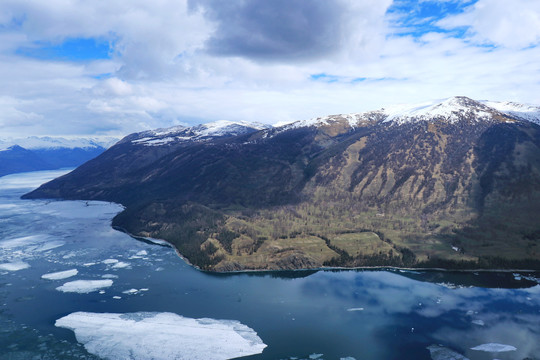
x=478 y=322
x=494 y=347
x=355 y=309
x=60 y=275
x=439 y=352
x=110 y=261
x=109 y=276
x=315 y=356
x=142 y=253
x=120 y=265
x=14 y=266
x=161 y=336
x=84 y=286
x=117 y=297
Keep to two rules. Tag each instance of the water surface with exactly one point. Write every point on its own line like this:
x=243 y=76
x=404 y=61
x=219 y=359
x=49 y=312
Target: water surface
x=385 y=314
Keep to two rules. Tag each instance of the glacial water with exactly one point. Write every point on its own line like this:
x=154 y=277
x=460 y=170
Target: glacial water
x=116 y=297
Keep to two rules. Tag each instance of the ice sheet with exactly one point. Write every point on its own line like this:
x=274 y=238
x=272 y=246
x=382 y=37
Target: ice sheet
x=85 y=286
x=60 y=275
x=161 y=336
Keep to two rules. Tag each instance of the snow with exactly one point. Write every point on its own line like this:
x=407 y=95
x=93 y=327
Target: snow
x=439 y=352
x=60 y=275
x=522 y=111
x=14 y=266
x=161 y=336
x=452 y=110
x=200 y=132
x=85 y=286
x=494 y=347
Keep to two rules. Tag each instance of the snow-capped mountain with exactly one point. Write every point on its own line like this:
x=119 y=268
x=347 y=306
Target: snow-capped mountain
x=47 y=153
x=522 y=111
x=449 y=110
x=202 y=132
x=422 y=179
x=49 y=142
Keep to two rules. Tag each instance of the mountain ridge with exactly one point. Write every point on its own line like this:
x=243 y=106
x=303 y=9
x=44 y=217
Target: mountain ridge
x=342 y=190
x=47 y=153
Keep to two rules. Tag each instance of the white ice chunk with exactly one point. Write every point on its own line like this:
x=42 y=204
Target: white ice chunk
x=478 y=322
x=109 y=276
x=110 y=261
x=60 y=275
x=130 y=291
x=85 y=286
x=14 y=266
x=439 y=352
x=161 y=336
x=120 y=265
x=494 y=347
x=142 y=253
x=355 y=309
x=315 y=356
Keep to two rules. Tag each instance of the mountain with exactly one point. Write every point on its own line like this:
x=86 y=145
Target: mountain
x=452 y=184
x=46 y=153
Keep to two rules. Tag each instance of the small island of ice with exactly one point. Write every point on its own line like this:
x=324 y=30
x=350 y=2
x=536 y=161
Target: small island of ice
x=60 y=275
x=494 y=347
x=161 y=336
x=14 y=266
x=84 y=286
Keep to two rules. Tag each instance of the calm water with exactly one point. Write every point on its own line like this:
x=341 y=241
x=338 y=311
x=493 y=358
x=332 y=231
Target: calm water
x=339 y=314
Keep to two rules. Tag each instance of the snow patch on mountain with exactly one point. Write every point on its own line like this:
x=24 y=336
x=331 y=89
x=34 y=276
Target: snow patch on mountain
x=521 y=111
x=200 y=132
x=450 y=110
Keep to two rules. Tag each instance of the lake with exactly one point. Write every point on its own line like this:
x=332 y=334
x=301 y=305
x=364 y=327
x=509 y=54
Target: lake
x=71 y=287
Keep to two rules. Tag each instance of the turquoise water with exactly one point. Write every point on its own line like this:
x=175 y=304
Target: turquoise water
x=383 y=314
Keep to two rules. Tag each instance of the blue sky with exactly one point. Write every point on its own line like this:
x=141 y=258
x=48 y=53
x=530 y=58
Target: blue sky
x=71 y=67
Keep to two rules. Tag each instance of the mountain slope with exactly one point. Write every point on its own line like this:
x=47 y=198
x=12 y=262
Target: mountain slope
x=455 y=184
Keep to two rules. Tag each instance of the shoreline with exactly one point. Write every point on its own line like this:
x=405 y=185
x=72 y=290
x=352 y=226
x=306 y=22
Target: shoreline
x=162 y=242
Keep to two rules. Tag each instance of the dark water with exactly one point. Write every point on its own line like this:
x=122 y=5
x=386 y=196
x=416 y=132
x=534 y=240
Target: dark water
x=340 y=314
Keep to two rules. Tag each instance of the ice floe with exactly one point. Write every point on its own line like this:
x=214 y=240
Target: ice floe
x=14 y=266
x=110 y=261
x=60 y=275
x=355 y=309
x=85 y=286
x=121 y=265
x=494 y=347
x=109 y=276
x=161 y=336
x=134 y=291
x=439 y=352
x=478 y=322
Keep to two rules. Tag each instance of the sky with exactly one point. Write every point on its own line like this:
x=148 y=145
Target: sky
x=113 y=67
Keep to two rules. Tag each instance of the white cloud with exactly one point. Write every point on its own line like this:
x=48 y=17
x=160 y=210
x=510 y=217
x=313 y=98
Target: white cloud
x=160 y=74
x=513 y=24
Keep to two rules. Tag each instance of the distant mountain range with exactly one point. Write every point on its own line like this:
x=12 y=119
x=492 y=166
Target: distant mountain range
x=453 y=184
x=46 y=153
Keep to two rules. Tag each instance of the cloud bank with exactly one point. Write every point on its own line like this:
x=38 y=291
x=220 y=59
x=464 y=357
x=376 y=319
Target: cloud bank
x=110 y=68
